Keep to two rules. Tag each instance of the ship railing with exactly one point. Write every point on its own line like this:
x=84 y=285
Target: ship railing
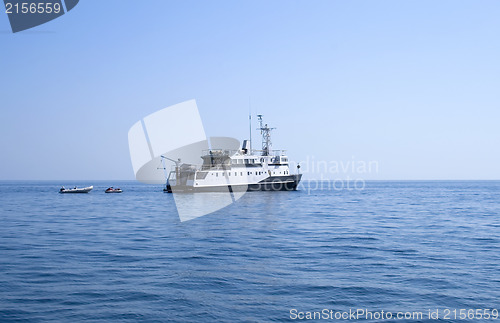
x=201 y=167
x=220 y=152
x=274 y=152
x=215 y=167
x=231 y=152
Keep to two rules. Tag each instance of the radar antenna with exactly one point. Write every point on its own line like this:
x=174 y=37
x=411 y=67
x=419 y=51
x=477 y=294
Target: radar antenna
x=265 y=131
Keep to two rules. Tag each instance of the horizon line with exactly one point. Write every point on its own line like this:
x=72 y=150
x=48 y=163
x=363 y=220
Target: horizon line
x=305 y=180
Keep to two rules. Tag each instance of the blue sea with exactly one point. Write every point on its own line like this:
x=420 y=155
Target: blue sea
x=408 y=246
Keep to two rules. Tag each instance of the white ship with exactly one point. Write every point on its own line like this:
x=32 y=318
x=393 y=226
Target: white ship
x=244 y=169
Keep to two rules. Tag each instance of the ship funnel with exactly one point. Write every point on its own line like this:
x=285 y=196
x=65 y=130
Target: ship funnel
x=246 y=146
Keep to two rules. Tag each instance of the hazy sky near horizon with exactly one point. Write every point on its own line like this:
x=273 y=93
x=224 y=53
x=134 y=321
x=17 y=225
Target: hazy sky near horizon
x=412 y=85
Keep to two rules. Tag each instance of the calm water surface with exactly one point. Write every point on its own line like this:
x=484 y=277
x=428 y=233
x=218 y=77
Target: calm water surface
x=394 y=246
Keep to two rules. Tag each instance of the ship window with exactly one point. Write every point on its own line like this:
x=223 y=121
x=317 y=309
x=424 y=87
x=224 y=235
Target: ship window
x=201 y=175
x=241 y=173
x=235 y=174
x=229 y=173
x=217 y=174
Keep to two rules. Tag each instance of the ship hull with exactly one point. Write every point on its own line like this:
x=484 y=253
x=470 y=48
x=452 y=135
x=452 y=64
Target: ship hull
x=275 y=183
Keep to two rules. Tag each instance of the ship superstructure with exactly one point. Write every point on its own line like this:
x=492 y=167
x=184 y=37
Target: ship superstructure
x=244 y=169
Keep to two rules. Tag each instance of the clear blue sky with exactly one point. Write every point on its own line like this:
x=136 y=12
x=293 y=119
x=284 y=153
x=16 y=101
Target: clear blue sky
x=414 y=85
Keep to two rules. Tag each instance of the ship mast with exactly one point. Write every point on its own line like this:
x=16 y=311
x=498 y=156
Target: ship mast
x=265 y=131
x=250 y=125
